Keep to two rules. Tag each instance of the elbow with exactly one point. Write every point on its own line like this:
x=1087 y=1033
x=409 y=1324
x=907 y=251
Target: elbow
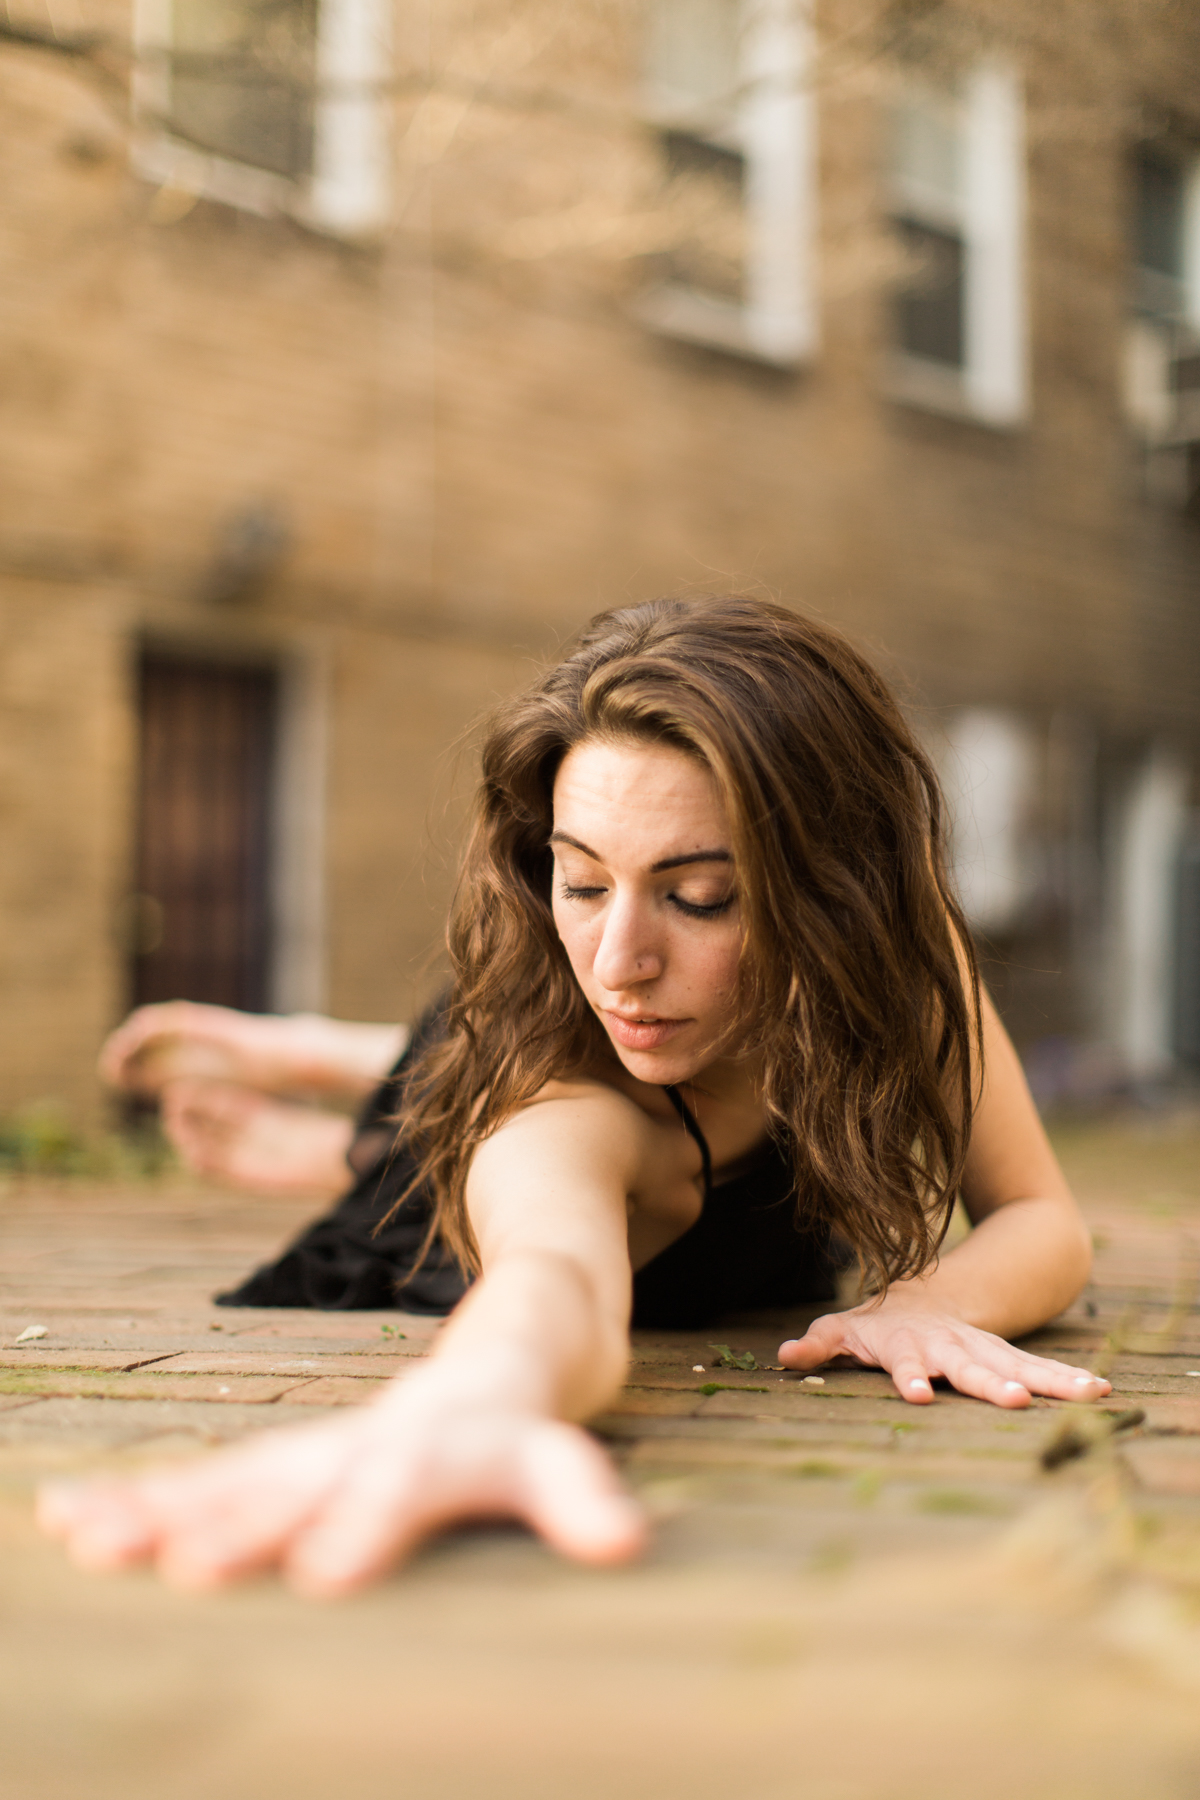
x=1077 y=1257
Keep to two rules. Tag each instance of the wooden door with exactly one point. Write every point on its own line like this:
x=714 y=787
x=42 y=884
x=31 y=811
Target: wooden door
x=202 y=915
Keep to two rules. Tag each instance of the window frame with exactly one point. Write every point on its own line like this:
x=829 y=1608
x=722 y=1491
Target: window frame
x=991 y=386
x=348 y=191
x=770 y=122
x=1158 y=338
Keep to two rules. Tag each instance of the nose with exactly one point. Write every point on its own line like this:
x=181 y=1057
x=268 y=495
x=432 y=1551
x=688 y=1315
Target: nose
x=627 y=954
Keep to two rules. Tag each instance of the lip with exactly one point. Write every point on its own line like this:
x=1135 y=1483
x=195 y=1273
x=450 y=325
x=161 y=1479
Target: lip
x=642 y=1034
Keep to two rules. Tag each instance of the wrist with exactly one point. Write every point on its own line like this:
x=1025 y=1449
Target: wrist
x=510 y=1380
x=914 y=1295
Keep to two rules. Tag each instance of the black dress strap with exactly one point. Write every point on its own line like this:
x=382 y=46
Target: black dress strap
x=692 y=1127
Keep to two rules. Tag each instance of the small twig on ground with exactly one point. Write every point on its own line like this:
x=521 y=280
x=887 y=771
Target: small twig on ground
x=1080 y=1431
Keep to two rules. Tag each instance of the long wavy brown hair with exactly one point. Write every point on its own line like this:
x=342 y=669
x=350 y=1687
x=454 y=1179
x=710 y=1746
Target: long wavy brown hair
x=858 y=980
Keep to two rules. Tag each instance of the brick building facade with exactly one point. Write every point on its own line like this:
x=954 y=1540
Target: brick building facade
x=342 y=378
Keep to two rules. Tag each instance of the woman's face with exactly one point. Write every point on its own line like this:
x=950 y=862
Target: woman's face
x=645 y=902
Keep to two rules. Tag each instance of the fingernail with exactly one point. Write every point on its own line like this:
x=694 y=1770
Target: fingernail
x=917 y=1383
x=1085 y=1380
x=1014 y=1387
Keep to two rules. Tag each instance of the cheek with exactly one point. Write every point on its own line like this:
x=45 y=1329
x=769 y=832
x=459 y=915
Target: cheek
x=574 y=936
x=714 y=967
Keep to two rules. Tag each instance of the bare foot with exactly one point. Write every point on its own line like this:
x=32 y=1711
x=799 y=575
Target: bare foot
x=300 y=1053
x=334 y=1506
x=244 y=1137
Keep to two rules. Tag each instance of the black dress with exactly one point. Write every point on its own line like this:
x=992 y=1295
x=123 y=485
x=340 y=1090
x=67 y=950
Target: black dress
x=745 y=1252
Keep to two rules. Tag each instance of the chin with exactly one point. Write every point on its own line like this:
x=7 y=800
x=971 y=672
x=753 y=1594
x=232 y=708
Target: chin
x=665 y=1068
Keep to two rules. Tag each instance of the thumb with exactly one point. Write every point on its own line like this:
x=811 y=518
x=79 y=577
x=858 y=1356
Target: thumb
x=572 y=1497
x=824 y=1338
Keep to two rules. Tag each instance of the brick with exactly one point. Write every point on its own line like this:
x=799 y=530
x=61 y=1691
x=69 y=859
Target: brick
x=74 y=1359
x=1164 y=1465
x=265 y=1363
x=334 y=1390
x=145 y=1385
x=654 y=1402
x=1173 y=1413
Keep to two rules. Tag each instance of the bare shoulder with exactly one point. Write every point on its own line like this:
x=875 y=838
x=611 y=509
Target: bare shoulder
x=597 y=1122
x=599 y=1101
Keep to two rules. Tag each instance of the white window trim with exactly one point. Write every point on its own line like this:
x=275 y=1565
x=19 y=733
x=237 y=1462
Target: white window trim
x=1191 y=247
x=992 y=388
x=1151 y=823
x=1187 y=408
x=986 y=759
x=299 y=965
x=1167 y=421
x=348 y=193
x=774 y=127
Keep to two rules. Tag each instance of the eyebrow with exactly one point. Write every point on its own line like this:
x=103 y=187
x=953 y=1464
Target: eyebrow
x=658 y=868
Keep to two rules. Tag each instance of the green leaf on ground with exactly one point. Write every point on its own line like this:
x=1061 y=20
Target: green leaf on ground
x=733 y=1359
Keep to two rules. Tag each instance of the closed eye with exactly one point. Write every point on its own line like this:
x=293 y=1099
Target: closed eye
x=690 y=908
x=695 y=911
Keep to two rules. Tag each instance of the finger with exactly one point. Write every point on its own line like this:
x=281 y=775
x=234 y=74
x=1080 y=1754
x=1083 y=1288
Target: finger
x=573 y=1499
x=556 y=1480
x=825 y=1338
x=1059 y=1380
x=982 y=1382
x=203 y=1523
x=102 y=1526
x=242 y=1511
x=372 y=1521
x=57 y=1506
x=911 y=1379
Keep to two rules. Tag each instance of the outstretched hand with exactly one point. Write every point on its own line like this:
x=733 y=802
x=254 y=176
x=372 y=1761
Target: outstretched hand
x=334 y=1506
x=915 y=1341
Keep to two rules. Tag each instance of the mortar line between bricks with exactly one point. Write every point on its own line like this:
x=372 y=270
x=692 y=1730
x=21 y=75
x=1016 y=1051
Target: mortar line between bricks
x=147 y=1362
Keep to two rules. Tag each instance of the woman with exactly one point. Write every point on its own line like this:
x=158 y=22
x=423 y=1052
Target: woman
x=709 y=982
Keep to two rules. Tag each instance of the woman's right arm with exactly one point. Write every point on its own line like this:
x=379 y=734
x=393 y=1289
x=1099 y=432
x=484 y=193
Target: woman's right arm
x=485 y=1427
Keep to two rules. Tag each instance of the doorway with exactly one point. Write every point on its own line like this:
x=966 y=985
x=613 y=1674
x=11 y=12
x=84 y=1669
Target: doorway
x=202 y=924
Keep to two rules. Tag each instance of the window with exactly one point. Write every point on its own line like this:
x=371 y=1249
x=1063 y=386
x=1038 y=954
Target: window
x=987 y=763
x=724 y=95
x=956 y=198
x=1162 y=360
x=241 y=77
x=927 y=184
x=271 y=105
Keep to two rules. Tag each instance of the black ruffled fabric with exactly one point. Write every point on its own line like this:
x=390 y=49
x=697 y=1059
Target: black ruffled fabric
x=745 y=1252
x=346 y=1262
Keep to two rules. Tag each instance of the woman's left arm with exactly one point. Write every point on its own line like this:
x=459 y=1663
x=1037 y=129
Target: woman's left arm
x=1026 y=1260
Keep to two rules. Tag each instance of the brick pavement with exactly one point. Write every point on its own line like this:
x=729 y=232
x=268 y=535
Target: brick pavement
x=846 y=1597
